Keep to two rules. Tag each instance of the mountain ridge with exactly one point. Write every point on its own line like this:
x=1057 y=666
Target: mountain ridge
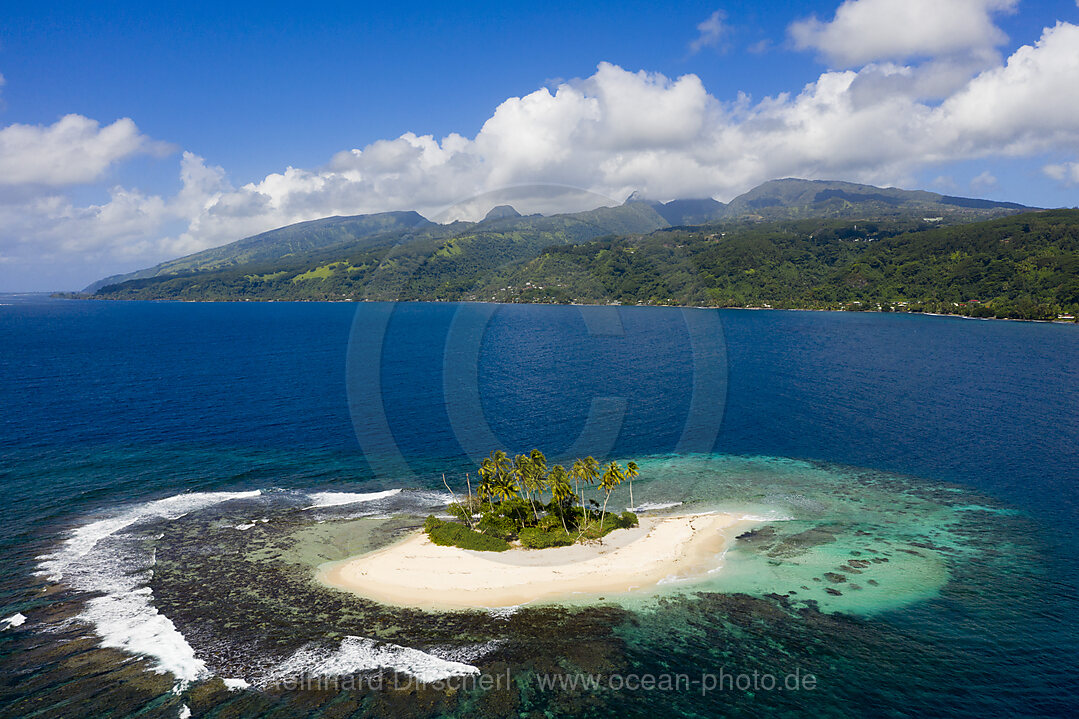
x=281 y=242
x=514 y=236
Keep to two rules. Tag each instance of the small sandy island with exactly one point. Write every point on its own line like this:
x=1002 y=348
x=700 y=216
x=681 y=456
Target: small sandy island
x=417 y=573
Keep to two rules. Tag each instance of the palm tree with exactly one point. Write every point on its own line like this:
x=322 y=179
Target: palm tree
x=584 y=470
x=611 y=479
x=500 y=459
x=522 y=472
x=531 y=472
x=486 y=472
x=631 y=472
x=503 y=487
x=576 y=473
x=561 y=492
x=539 y=464
x=587 y=470
x=591 y=470
x=493 y=470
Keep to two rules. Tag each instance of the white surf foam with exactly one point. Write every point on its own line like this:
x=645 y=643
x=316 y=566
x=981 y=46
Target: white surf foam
x=504 y=612
x=673 y=579
x=468 y=652
x=86 y=538
x=336 y=499
x=128 y=621
x=99 y=558
x=430 y=495
x=15 y=620
x=770 y=517
x=358 y=654
x=653 y=506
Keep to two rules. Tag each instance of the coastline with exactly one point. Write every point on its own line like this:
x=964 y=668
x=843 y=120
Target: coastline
x=414 y=572
x=81 y=297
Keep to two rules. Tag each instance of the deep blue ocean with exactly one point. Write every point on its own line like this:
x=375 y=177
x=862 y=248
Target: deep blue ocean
x=108 y=404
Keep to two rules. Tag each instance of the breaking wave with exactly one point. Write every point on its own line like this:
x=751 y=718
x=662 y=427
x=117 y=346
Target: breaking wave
x=109 y=558
x=360 y=654
x=337 y=499
x=15 y=620
x=653 y=506
x=98 y=558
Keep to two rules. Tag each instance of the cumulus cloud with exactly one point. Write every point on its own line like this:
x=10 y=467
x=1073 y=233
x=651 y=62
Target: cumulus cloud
x=611 y=133
x=984 y=181
x=865 y=31
x=618 y=131
x=1065 y=172
x=1027 y=105
x=74 y=149
x=711 y=32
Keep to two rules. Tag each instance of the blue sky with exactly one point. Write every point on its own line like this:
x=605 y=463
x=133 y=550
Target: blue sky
x=256 y=87
x=188 y=116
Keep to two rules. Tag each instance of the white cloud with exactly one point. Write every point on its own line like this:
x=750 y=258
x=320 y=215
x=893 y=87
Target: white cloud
x=710 y=32
x=1065 y=172
x=865 y=31
x=1029 y=104
x=74 y=149
x=984 y=181
x=945 y=182
x=611 y=133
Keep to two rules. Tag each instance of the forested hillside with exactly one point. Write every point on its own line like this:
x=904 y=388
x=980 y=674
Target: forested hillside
x=1024 y=266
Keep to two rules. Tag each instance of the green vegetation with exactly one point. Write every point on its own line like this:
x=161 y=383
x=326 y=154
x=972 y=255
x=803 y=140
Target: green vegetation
x=1022 y=266
x=385 y=256
x=524 y=499
x=299 y=240
x=448 y=534
x=536 y=538
x=792 y=244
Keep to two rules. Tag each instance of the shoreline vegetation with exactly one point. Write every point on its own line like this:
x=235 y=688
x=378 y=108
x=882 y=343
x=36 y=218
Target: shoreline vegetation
x=1066 y=319
x=416 y=572
x=523 y=500
x=527 y=533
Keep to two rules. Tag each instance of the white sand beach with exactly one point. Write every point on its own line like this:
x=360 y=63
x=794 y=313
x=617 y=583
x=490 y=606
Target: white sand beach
x=417 y=573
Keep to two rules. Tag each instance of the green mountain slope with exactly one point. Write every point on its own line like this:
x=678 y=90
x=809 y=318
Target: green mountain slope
x=787 y=243
x=428 y=260
x=1024 y=266
x=284 y=242
x=685 y=212
x=800 y=199
x=793 y=199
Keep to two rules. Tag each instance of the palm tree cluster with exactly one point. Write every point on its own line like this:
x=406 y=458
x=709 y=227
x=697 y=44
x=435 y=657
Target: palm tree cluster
x=543 y=505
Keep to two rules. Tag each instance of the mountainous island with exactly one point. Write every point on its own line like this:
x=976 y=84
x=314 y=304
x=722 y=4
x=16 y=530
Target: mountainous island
x=795 y=244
